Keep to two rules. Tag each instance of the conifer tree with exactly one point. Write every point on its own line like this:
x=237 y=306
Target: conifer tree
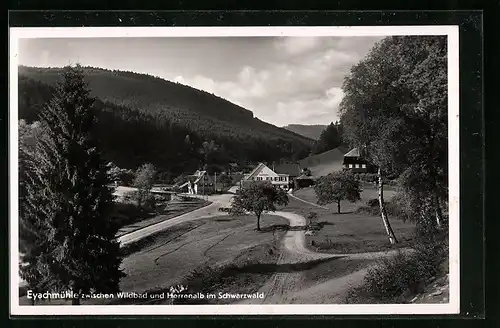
x=66 y=231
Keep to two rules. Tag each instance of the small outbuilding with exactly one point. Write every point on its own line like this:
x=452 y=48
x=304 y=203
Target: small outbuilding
x=304 y=181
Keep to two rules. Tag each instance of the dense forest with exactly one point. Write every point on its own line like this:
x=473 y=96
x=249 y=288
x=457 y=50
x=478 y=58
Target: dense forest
x=146 y=119
x=330 y=138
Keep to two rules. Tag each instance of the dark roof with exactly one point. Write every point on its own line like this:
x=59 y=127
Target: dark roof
x=305 y=177
x=290 y=169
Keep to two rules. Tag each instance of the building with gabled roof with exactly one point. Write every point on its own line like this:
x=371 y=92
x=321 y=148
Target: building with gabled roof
x=263 y=173
x=356 y=163
x=198 y=182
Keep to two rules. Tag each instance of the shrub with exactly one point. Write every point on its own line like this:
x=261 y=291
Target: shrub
x=146 y=200
x=371 y=208
x=426 y=227
x=366 y=177
x=203 y=279
x=406 y=272
x=312 y=216
x=392 y=183
x=372 y=211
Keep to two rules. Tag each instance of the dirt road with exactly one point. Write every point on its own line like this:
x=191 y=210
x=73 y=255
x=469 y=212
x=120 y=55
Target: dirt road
x=288 y=287
x=202 y=213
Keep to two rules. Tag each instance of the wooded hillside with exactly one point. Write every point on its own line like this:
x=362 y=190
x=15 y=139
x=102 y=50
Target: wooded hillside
x=147 y=119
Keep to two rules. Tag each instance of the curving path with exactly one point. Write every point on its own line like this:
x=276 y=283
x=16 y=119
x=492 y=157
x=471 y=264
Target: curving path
x=201 y=213
x=285 y=287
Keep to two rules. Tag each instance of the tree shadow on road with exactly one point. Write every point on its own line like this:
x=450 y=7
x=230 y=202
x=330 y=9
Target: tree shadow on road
x=262 y=268
x=223 y=220
x=282 y=227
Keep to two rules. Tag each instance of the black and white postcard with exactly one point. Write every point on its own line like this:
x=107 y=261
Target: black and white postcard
x=234 y=170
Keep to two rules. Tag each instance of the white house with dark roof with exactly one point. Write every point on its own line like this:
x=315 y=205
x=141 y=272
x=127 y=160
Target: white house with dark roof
x=263 y=173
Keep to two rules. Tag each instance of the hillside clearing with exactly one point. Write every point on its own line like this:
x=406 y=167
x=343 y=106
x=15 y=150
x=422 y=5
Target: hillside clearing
x=350 y=232
x=324 y=163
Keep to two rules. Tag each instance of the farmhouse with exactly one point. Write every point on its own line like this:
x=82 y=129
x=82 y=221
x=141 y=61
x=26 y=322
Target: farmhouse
x=354 y=162
x=264 y=173
x=198 y=182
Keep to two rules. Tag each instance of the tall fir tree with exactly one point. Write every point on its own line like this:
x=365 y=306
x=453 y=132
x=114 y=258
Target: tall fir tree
x=329 y=139
x=66 y=231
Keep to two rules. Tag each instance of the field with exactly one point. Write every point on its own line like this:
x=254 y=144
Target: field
x=132 y=218
x=324 y=163
x=227 y=254
x=350 y=232
x=229 y=245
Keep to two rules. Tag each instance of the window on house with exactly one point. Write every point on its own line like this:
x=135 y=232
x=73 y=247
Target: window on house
x=357 y=166
x=363 y=166
x=350 y=166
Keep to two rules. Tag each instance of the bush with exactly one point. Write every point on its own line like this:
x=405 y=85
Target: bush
x=397 y=207
x=392 y=183
x=405 y=273
x=426 y=227
x=371 y=208
x=372 y=211
x=366 y=177
x=312 y=216
x=203 y=279
x=145 y=199
x=127 y=213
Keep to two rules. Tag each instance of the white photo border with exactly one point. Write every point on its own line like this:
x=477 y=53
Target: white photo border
x=451 y=31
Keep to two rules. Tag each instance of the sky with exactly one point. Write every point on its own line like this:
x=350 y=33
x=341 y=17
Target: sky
x=282 y=80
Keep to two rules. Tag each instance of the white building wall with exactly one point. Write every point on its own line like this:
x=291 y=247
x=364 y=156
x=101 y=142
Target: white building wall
x=266 y=174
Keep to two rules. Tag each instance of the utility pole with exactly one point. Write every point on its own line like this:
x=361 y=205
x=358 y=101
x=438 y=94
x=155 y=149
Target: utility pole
x=215 y=181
